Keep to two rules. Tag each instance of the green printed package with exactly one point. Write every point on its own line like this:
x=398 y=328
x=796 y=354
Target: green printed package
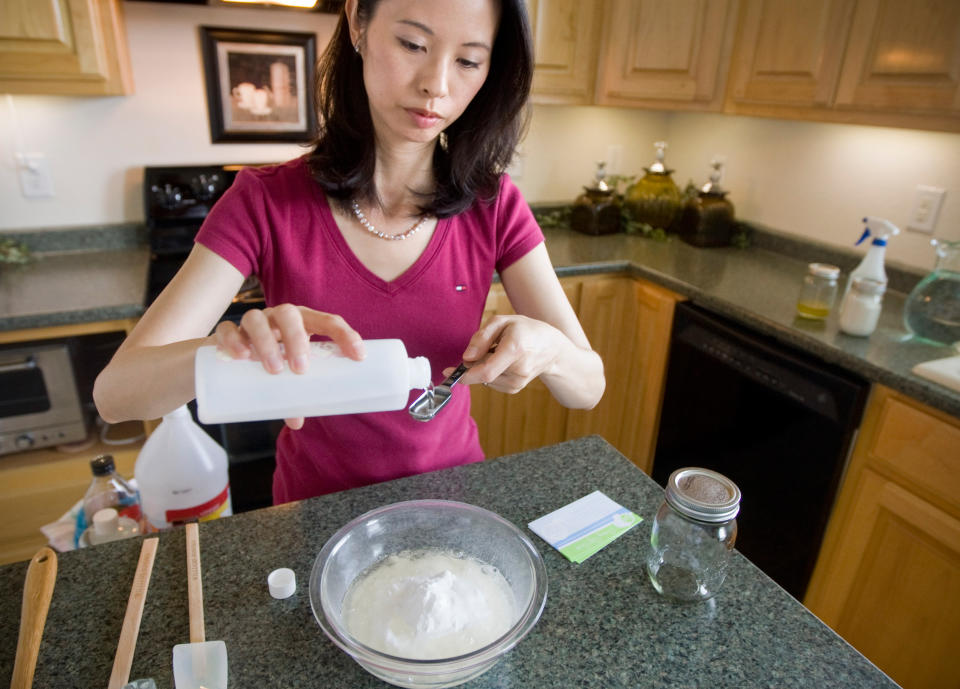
x=583 y=527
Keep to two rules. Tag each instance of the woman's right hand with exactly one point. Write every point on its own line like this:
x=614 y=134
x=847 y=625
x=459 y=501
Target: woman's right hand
x=262 y=331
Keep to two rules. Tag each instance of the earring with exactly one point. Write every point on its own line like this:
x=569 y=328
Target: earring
x=356 y=48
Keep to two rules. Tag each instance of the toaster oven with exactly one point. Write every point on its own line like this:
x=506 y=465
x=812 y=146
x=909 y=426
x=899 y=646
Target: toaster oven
x=39 y=403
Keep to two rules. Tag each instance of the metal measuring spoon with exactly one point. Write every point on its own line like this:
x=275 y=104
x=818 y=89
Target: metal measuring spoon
x=426 y=406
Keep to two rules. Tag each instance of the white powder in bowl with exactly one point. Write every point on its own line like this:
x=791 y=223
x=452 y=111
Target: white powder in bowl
x=428 y=604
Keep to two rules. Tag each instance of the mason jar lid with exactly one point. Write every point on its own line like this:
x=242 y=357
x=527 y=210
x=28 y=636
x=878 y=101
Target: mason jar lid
x=703 y=495
x=824 y=270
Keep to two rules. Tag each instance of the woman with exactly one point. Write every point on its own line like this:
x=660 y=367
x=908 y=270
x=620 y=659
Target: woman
x=391 y=228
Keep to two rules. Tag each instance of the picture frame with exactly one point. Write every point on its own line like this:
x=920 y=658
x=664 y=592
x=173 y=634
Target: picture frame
x=259 y=84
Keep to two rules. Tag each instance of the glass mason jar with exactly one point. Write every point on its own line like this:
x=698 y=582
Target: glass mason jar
x=693 y=534
x=818 y=292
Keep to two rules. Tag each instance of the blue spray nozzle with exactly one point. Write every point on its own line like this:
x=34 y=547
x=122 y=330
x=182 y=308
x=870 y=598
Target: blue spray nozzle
x=880 y=231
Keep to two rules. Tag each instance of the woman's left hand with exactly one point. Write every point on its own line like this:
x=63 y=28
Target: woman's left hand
x=508 y=352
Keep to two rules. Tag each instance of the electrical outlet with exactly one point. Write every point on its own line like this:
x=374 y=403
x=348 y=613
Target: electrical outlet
x=926 y=208
x=36 y=182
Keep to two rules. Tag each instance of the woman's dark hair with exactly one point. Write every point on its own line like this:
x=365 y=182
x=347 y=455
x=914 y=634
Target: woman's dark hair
x=478 y=146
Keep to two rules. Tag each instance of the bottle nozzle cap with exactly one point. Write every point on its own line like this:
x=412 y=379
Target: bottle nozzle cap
x=419 y=371
x=105 y=521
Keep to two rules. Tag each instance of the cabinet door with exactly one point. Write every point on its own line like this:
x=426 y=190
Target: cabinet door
x=789 y=53
x=648 y=372
x=888 y=576
x=74 y=47
x=529 y=419
x=565 y=36
x=666 y=54
x=903 y=56
x=900 y=574
x=40 y=486
x=608 y=313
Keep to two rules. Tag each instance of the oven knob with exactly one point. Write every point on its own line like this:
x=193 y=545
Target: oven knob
x=23 y=442
x=206 y=187
x=168 y=195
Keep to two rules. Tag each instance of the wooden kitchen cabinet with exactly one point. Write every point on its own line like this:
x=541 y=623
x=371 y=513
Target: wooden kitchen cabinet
x=628 y=322
x=890 y=63
x=888 y=576
x=565 y=35
x=529 y=419
x=68 y=47
x=666 y=54
x=38 y=486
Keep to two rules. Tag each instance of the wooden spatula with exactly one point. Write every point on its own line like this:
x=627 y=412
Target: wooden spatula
x=123 y=661
x=37 y=592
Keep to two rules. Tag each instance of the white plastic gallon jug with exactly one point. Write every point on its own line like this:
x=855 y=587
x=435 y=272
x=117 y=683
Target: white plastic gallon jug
x=230 y=390
x=182 y=474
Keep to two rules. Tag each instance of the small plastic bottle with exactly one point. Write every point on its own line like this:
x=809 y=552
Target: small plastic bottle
x=108 y=525
x=818 y=292
x=231 y=390
x=107 y=489
x=693 y=534
x=182 y=474
x=861 y=307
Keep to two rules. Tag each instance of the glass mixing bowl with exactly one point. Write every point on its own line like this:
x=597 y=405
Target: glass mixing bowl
x=456 y=527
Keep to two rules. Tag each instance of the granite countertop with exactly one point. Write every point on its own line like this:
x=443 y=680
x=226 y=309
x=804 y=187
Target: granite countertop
x=603 y=626
x=758 y=287
x=102 y=276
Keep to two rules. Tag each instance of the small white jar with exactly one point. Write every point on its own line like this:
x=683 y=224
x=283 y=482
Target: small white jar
x=861 y=307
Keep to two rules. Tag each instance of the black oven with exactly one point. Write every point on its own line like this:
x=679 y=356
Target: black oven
x=176 y=200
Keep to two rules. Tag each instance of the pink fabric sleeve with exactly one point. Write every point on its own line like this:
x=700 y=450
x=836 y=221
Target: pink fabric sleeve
x=234 y=227
x=517 y=230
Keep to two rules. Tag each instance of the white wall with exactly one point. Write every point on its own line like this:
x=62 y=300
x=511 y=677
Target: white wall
x=809 y=179
x=97 y=147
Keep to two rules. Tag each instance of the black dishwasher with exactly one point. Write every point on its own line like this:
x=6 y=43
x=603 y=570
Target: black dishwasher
x=777 y=421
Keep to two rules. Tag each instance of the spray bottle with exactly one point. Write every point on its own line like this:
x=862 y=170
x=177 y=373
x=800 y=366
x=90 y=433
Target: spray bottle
x=871 y=267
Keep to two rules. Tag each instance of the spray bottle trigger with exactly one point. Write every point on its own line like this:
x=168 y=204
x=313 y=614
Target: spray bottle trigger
x=866 y=233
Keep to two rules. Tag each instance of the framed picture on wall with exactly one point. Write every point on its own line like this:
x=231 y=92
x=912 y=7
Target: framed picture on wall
x=259 y=84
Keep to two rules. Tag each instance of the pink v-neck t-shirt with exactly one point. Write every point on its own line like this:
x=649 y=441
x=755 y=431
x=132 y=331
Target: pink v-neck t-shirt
x=274 y=222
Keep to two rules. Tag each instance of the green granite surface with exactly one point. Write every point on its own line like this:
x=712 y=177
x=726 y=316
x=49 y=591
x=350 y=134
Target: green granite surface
x=604 y=626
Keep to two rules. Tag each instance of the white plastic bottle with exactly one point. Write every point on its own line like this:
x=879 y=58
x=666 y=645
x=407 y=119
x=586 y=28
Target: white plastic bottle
x=182 y=474
x=230 y=390
x=871 y=267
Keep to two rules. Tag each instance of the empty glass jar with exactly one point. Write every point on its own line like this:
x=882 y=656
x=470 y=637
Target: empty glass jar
x=692 y=537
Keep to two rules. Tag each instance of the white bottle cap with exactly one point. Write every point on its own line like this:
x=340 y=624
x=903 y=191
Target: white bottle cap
x=105 y=521
x=282 y=582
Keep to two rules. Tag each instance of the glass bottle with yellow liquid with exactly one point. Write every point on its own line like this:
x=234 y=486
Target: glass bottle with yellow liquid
x=818 y=292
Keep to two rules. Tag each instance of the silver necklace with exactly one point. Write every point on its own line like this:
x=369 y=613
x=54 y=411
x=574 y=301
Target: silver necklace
x=368 y=226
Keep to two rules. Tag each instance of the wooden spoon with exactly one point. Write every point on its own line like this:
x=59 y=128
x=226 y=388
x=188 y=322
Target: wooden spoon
x=37 y=592
x=123 y=660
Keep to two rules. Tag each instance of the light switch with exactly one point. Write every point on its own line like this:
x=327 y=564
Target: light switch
x=35 y=178
x=926 y=208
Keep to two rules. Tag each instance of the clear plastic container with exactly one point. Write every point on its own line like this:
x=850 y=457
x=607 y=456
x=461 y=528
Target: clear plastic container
x=861 y=307
x=107 y=489
x=818 y=292
x=231 y=390
x=182 y=474
x=692 y=537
